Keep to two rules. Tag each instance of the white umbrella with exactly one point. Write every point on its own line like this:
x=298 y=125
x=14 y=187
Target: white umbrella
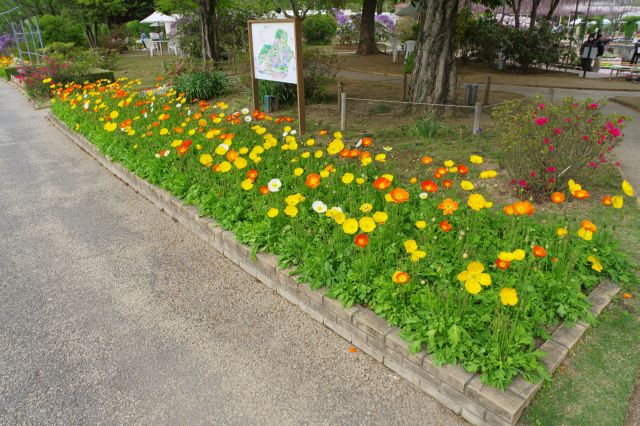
x=157 y=19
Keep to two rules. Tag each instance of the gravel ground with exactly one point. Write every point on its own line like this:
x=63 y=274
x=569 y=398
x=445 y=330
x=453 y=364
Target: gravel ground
x=110 y=312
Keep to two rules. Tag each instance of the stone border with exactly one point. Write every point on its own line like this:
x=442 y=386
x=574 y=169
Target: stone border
x=458 y=390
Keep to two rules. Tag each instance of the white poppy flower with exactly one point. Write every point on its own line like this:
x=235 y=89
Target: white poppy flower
x=274 y=185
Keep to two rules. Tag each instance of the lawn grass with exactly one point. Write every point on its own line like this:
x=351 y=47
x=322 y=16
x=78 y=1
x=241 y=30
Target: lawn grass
x=141 y=65
x=628 y=101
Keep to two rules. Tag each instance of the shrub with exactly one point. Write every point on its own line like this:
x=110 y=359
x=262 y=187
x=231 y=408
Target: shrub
x=319 y=29
x=58 y=28
x=530 y=48
x=546 y=145
x=202 y=84
x=133 y=29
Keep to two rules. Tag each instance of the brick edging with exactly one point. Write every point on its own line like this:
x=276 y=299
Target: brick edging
x=458 y=390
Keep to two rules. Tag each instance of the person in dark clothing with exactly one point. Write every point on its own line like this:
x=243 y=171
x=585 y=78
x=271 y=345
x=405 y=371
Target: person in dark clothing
x=636 y=53
x=587 y=52
x=601 y=43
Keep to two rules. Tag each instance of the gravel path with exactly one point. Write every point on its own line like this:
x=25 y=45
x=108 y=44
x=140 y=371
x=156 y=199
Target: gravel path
x=110 y=312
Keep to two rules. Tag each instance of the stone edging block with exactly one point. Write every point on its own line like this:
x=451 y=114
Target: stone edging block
x=462 y=392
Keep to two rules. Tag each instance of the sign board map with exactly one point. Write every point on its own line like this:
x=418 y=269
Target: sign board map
x=274 y=51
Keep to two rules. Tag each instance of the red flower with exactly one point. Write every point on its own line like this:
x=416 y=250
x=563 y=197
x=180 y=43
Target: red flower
x=445 y=226
x=429 y=186
x=539 y=251
x=361 y=240
x=502 y=264
x=381 y=183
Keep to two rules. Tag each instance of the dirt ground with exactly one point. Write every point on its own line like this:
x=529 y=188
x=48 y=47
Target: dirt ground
x=476 y=74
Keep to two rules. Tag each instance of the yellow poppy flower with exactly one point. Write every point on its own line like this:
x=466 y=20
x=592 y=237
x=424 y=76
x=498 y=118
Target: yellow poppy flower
x=298 y=171
x=617 y=201
x=291 y=211
x=350 y=226
x=473 y=278
x=627 y=188
x=380 y=217
x=417 y=255
x=467 y=186
x=339 y=217
x=561 y=232
x=206 y=159
x=347 y=178
x=272 y=212
x=421 y=224
x=509 y=296
x=595 y=263
x=410 y=246
x=366 y=207
x=476 y=159
x=367 y=224
x=247 y=184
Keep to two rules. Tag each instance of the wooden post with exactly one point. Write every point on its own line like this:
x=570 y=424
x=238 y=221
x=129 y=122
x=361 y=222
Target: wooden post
x=254 y=83
x=476 y=118
x=487 y=89
x=340 y=89
x=343 y=111
x=300 y=77
x=404 y=87
x=550 y=94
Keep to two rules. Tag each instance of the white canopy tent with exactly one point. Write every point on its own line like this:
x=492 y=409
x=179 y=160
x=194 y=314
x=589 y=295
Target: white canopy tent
x=158 y=19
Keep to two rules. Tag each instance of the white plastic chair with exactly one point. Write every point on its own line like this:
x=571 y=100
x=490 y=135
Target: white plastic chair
x=150 y=45
x=174 y=46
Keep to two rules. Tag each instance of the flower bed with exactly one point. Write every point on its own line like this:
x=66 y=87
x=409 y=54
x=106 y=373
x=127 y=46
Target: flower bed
x=464 y=280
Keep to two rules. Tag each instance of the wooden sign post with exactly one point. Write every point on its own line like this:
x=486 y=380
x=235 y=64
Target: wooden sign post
x=275 y=54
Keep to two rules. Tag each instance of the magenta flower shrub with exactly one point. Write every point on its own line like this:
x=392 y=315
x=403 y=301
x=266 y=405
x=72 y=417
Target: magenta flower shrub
x=545 y=145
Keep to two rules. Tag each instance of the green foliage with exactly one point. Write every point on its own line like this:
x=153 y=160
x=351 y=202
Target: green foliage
x=547 y=144
x=319 y=73
x=60 y=29
x=80 y=60
x=202 y=85
x=135 y=28
x=319 y=29
x=429 y=126
x=483 y=40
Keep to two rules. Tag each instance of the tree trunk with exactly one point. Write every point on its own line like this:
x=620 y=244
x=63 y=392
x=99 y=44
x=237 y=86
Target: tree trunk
x=379 y=5
x=209 y=30
x=515 y=6
x=434 y=73
x=91 y=36
x=552 y=8
x=367 y=41
x=534 y=13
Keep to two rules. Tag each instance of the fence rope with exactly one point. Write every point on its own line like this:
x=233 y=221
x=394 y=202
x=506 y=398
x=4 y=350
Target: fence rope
x=407 y=102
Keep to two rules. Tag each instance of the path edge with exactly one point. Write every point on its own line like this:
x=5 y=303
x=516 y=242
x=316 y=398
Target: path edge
x=460 y=391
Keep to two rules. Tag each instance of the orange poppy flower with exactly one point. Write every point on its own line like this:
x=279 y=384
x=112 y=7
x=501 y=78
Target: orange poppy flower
x=554 y=259
x=354 y=153
x=521 y=208
x=399 y=277
x=361 y=240
x=607 y=200
x=589 y=226
x=462 y=169
x=345 y=153
x=447 y=183
x=264 y=189
x=429 y=186
x=381 y=183
x=313 y=180
x=557 y=198
x=323 y=132
x=502 y=264
x=627 y=295
x=539 y=251
x=426 y=159
x=366 y=141
x=581 y=194
x=252 y=174
x=437 y=175
x=232 y=155
x=448 y=206
x=445 y=226
x=399 y=195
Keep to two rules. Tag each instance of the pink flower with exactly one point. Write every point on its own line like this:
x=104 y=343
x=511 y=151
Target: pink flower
x=593 y=105
x=617 y=164
x=551 y=180
x=513 y=181
x=620 y=120
x=551 y=169
x=534 y=174
x=541 y=121
x=547 y=141
x=585 y=138
x=522 y=183
x=590 y=120
x=541 y=105
x=552 y=148
x=557 y=130
x=567 y=120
